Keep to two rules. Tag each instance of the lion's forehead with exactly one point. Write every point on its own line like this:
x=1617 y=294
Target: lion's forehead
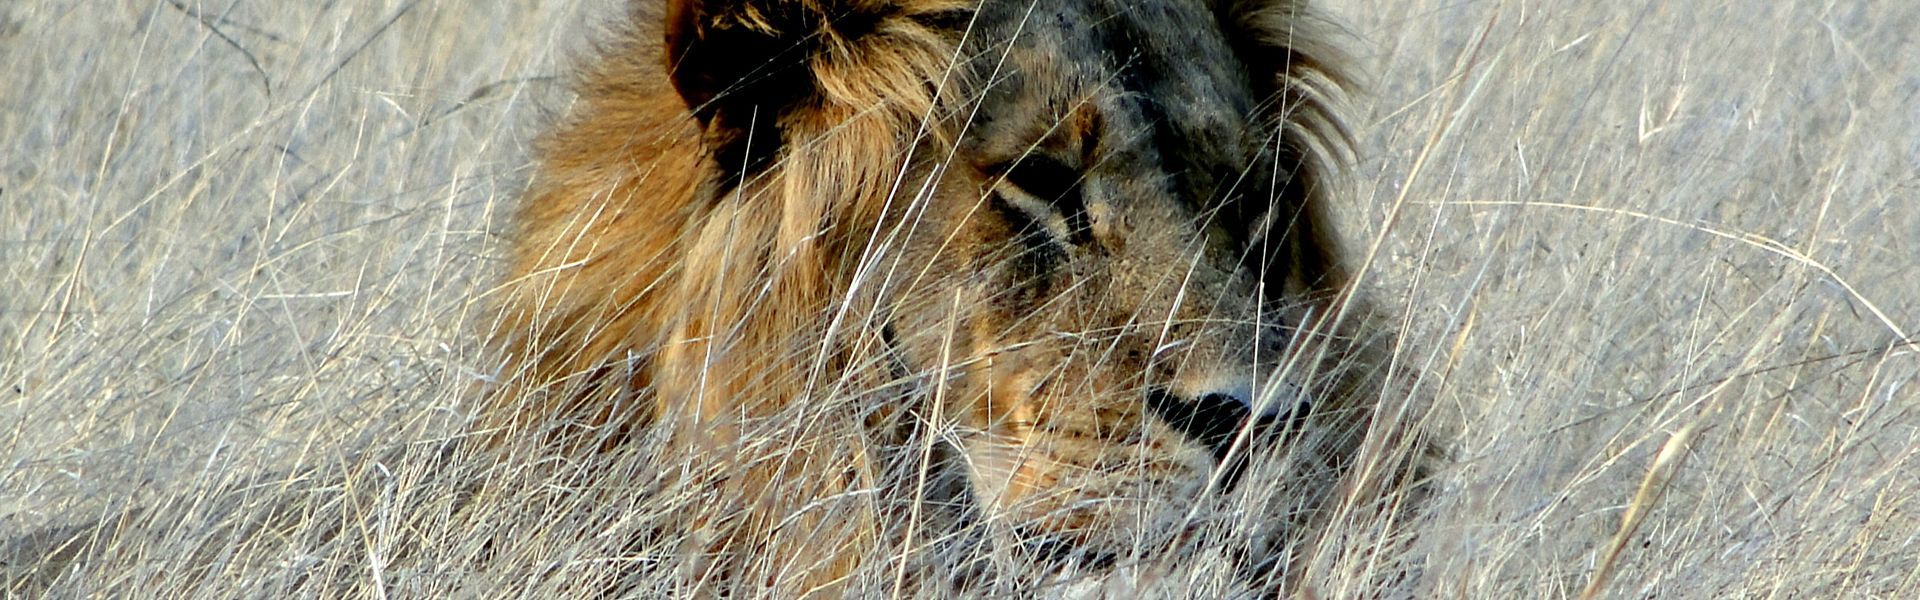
x=1161 y=73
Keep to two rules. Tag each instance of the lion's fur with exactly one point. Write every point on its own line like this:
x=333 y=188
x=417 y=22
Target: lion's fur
x=677 y=273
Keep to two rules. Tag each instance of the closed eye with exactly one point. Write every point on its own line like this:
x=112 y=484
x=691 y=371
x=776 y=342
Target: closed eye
x=1028 y=213
x=1044 y=177
x=1046 y=192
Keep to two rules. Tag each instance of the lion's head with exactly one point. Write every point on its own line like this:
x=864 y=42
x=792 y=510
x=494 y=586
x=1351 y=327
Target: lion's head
x=1079 y=243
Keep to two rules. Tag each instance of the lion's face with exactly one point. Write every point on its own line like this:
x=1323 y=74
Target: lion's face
x=1083 y=235
x=1099 y=272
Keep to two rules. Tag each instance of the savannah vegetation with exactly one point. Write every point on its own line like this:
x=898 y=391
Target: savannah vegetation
x=1654 y=258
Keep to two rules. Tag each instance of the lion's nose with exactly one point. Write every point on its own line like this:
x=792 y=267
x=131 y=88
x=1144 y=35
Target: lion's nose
x=1211 y=419
x=1215 y=417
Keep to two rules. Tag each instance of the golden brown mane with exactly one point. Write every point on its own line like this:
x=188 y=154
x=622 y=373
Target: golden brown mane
x=629 y=207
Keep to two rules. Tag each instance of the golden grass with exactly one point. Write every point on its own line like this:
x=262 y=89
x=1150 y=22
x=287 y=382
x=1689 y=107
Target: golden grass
x=1656 y=260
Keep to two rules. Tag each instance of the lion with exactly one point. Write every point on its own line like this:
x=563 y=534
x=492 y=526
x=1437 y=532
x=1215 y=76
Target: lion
x=848 y=264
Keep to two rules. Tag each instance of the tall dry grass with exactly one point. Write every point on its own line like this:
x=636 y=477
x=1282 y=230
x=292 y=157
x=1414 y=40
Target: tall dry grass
x=1657 y=260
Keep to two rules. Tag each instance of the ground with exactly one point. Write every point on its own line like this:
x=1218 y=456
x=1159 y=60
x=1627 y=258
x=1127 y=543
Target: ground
x=1657 y=260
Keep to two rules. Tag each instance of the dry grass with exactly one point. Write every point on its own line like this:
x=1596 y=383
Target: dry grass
x=1658 y=259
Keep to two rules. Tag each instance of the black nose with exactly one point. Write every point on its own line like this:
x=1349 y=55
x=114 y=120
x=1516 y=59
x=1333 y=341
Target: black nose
x=1212 y=419
x=1215 y=419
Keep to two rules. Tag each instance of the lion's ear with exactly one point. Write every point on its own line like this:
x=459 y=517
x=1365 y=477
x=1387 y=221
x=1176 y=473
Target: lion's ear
x=744 y=67
x=741 y=65
x=731 y=58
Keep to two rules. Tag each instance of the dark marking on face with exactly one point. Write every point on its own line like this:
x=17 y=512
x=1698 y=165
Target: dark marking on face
x=1215 y=420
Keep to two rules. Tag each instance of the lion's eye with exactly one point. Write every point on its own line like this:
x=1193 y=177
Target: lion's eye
x=1044 y=177
x=1045 y=191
